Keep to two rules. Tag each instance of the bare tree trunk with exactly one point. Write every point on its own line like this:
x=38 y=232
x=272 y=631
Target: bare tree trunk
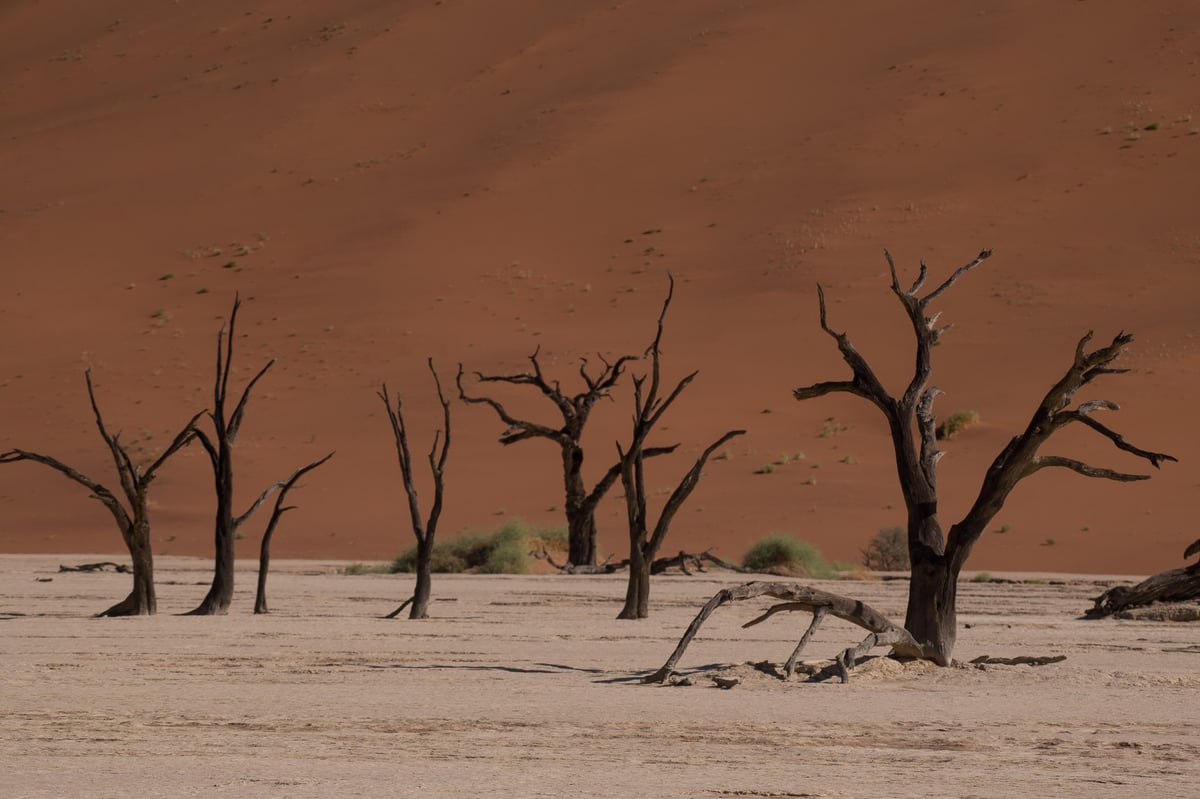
x=424 y=530
x=220 y=594
x=649 y=406
x=264 y=552
x=937 y=559
x=424 y=586
x=142 y=600
x=932 y=616
x=581 y=516
x=637 y=591
x=220 y=452
x=133 y=523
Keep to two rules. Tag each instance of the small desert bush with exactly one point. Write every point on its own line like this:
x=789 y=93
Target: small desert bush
x=957 y=422
x=782 y=554
x=888 y=551
x=504 y=551
x=368 y=568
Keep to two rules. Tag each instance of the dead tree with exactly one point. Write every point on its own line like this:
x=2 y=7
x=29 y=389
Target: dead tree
x=880 y=630
x=264 y=551
x=937 y=557
x=423 y=530
x=580 y=503
x=1173 y=585
x=649 y=406
x=134 y=521
x=219 y=446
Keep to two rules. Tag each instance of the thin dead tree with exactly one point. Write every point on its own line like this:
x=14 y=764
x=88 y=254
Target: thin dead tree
x=649 y=406
x=423 y=529
x=264 y=551
x=134 y=521
x=937 y=557
x=580 y=502
x=219 y=446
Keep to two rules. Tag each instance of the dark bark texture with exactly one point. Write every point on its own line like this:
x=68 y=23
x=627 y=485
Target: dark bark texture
x=424 y=530
x=264 y=550
x=579 y=502
x=937 y=558
x=880 y=630
x=226 y=424
x=649 y=405
x=134 y=520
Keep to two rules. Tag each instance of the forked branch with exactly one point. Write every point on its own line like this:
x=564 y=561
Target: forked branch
x=881 y=631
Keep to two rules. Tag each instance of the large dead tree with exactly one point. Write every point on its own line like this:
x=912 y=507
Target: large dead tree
x=938 y=557
x=649 y=406
x=134 y=521
x=264 y=550
x=219 y=446
x=580 y=502
x=423 y=529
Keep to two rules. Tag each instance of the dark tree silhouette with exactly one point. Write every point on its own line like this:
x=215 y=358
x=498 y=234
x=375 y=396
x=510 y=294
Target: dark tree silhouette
x=219 y=446
x=937 y=558
x=649 y=406
x=134 y=521
x=580 y=503
x=264 y=552
x=423 y=530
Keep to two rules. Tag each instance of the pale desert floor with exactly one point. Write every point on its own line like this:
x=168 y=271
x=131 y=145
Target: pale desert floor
x=527 y=686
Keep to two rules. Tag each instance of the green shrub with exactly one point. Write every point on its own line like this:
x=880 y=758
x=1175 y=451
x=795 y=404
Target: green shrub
x=368 y=568
x=957 y=422
x=888 y=551
x=782 y=554
x=505 y=551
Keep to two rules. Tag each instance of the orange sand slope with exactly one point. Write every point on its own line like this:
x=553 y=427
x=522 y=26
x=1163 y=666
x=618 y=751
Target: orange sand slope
x=472 y=180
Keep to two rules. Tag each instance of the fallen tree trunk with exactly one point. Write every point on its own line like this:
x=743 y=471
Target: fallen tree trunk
x=881 y=630
x=119 y=568
x=680 y=561
x=1175 y=585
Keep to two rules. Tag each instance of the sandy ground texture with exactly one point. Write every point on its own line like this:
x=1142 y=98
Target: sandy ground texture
x=527 y=686
x=473 y=180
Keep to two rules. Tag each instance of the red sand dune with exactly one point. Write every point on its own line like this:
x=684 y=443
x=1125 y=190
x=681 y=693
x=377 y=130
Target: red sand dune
x=389 y=181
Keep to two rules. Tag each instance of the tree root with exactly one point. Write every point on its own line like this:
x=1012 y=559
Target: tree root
x=881 y=631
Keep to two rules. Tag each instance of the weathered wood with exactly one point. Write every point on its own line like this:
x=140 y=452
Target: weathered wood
x=219 y=447
x=580 y=502
x=424 y=530
x=649 y=406
x=134 y=521
x=1174 y=585
x=937 y=558
x=264 y=552
x=881 y=630
x=682 y=561
x=119 y=568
